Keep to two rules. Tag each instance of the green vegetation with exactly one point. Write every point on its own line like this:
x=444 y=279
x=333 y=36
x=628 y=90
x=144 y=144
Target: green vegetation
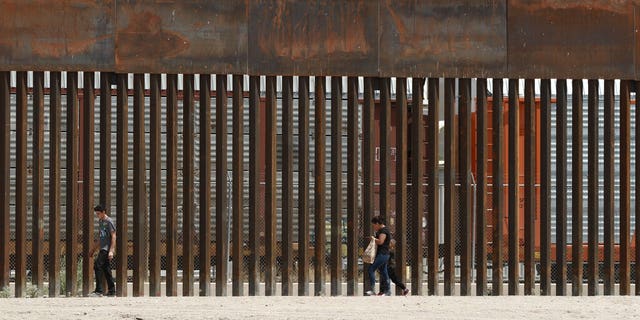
x=63 y=278
x=32 y=291
x=5 y=292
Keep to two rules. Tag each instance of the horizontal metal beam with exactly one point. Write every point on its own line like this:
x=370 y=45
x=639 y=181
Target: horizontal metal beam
x=458 y=38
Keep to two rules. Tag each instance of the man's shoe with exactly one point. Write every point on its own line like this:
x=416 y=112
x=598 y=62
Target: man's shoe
x=380 y=293
x=95 y=294
x=405 y=292
x=369 y=293
x=111 y=294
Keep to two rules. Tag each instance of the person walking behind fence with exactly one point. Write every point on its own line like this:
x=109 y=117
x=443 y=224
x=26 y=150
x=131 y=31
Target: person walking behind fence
x=382 y=238
x=391 y=269
x=106 y=245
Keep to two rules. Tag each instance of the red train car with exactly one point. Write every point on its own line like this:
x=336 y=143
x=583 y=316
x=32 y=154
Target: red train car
x=489 y=217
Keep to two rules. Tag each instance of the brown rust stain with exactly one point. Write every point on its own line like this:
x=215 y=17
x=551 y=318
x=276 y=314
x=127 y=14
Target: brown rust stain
x=615 y=6
x=145 y=37
x=63 y=48
x=403 y=33
x=315 y=34
x=564 y=41
x=456 y=35
x=53 y=29
x=353 y=29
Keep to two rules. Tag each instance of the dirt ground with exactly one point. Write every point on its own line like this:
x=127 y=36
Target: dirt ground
x=278 y=307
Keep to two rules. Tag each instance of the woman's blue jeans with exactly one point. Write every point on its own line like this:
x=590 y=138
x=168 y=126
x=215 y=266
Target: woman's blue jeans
x=380 y=264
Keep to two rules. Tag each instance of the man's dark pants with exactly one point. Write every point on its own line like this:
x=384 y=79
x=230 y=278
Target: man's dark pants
x=102 y=270
x=393 y=277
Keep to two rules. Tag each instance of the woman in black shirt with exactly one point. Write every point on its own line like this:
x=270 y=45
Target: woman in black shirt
x=382 y=239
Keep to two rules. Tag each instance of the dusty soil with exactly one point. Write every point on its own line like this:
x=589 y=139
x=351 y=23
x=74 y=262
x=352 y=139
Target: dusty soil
x=396 y=307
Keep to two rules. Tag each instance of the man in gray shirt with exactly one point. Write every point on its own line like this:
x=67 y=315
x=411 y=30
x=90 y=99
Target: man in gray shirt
x=106 y=244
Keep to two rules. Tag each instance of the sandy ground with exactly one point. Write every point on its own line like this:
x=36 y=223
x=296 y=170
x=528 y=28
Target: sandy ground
x=412 y=307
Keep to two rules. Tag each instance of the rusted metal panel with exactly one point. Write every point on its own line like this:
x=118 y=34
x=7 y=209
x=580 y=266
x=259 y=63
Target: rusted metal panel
x=636 y=12
x=155 y=175
x=320 y=187
x=353 y=209
x=270 y=218
x=172 y=185
x=593 y=213
x=561 y=187
x=139 y=188
x=21 y=186
x=303 y=182
x=322 y=37
x=5 y=135
x=287 y=186
x=449 y=186
x=481 y=191
x=336 y=186
x=573 y=39
x=463 y=38
x=464 y=168
x=315 y=37
x=368 y=114
x=188 y=207
x=529 y=185
x=418 y=171
x=514 y=188
x=497 y=189
x=182 y=36
x=57 y=35
x=576 y=187
x=72 y=231
x=254 y=183
x=88 y=216
x=37 y=234
x=401 y=181
x=545 y=187
x=238 y=186
x=204 y=279
x=122 y=177
x=55 y=109
x=222 y=235
x=625 y=187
